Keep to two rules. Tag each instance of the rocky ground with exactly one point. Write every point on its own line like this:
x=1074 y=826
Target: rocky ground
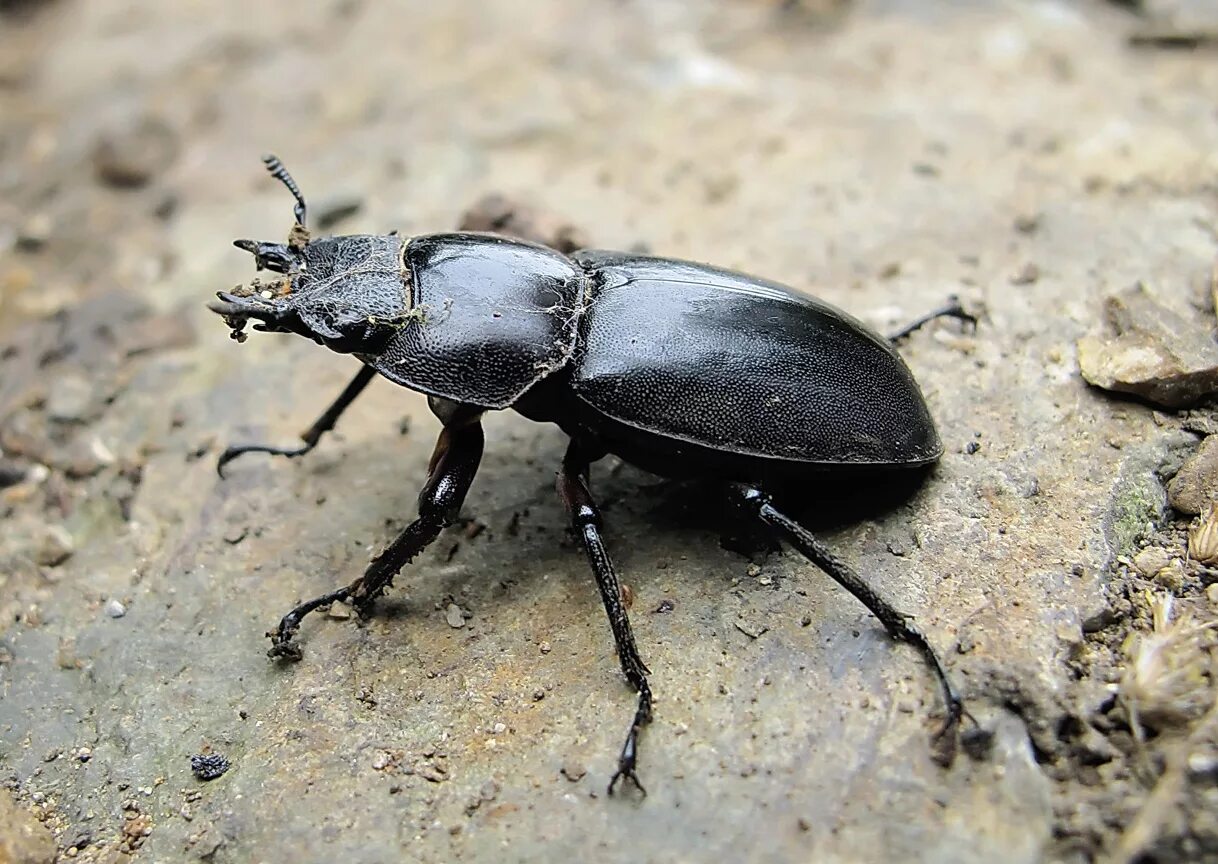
x=1042 y=161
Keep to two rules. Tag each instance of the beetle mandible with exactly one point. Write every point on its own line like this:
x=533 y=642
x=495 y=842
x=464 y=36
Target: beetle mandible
x=683 y=369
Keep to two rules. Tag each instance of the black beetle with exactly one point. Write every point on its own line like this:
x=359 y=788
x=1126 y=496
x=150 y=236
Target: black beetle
x=682 y=369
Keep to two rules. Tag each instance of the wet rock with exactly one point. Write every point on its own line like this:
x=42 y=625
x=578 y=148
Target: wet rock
x=55 y=546
x=132 y=157
x=1150 y=352
x=1196 y=483
x=23 y=839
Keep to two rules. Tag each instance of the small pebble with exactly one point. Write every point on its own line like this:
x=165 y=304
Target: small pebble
x=573 y=771
x=1202 y=764
x=454 y=616
x=1171 y=577
x=34 y=232
x=339 y=611
x=115 y=609
x=208 y=766
x=1027 y=275
x=55 y=547
x=1151 y=560
x=135 y=154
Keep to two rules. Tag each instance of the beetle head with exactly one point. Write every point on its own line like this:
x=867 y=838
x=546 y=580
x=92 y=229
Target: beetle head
x=348 y=293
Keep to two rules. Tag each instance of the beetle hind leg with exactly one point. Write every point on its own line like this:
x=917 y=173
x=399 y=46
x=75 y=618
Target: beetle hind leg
x=952 y=309
x=898 y=624
x=453 y=466
x=586 y=522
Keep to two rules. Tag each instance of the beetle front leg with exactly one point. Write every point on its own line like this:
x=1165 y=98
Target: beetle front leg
x=898 y=624
x=453 y=466
x=313 y=434
x=586 y=522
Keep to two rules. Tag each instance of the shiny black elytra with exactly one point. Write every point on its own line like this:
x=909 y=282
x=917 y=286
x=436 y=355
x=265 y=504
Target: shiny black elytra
x=683 y=369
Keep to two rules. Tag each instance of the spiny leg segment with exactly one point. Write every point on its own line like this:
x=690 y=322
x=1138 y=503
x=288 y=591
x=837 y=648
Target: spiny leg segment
x=453 y=466
x=586 y=522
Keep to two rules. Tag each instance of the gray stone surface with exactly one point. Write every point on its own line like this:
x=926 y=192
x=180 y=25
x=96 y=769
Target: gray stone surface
x=1023 y=156
x=1152 y=352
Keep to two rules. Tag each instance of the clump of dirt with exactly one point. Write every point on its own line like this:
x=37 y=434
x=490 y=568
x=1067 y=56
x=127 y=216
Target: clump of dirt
x=1135 y=777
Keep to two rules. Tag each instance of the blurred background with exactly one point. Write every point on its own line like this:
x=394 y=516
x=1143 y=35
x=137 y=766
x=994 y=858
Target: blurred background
x=1033 y=158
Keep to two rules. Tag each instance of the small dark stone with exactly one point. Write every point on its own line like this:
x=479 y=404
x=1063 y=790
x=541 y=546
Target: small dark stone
x=977 y=742
x=209 y=766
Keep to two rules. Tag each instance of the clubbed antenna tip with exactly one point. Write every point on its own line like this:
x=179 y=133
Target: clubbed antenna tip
x=281 y=174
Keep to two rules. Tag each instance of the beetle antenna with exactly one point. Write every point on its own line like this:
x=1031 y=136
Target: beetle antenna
x=281 y=174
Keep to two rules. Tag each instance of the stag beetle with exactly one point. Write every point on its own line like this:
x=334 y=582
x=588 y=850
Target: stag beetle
x=682 y=369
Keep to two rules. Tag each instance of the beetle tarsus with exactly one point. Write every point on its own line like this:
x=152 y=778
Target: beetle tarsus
x=628 y=758
x=626 y=764
x=586 y=522
x=952 y=309
x=234 y=450
x=312 y=435
x=283 y=643
x=458 y=452
x=899 y=625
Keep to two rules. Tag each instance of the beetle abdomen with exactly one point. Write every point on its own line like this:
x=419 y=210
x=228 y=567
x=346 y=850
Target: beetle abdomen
x=733 y=363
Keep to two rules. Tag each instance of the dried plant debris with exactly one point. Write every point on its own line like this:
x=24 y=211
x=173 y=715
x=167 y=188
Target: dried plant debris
x=1150 y=352
x=1166 y=681
x=1203 y=536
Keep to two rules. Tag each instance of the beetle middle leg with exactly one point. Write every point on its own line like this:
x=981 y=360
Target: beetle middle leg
x=313 y=434
x=586 y=522
x=952 y=309
x=453 y=466
x=898 y=624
